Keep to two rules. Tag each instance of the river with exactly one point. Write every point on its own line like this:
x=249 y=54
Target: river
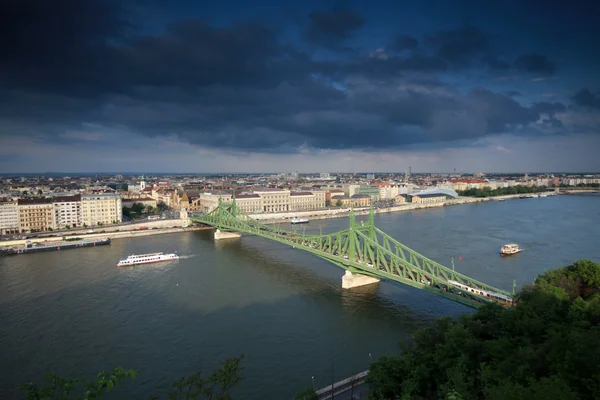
x=74 y=312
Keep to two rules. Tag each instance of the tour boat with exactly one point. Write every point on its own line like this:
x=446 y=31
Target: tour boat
x=296 y=220
x=509 y=249
x=136 y=259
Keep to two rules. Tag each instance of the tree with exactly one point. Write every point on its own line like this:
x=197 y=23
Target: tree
x=546 y=347
x=68 y=227
x=194 y=387
x=307 y=394
x=338 y=203
x=62 y=388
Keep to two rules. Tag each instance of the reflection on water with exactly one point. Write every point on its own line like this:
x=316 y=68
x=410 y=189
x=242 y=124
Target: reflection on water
x=76 y=313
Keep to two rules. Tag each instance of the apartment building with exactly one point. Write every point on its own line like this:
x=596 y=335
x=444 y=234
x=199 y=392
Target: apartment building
x=386 y=190
x=9 y=217
x=101 y=209
x=36 y=215
x=67 y=211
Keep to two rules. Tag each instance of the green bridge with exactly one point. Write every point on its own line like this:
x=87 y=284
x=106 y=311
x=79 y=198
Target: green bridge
x=366 y=253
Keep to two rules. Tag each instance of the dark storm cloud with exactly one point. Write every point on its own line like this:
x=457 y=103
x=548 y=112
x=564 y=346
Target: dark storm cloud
x=459 y=45
x=404 y=42
x=585 y=98
x=237 y=86
x=330 y=27
x=494 y=63
x=535 y=63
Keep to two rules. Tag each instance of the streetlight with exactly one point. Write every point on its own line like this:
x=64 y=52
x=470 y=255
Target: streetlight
x=313 y=381
x=370 y=358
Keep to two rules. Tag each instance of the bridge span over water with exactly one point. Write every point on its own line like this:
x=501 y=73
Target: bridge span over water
x=366 y=253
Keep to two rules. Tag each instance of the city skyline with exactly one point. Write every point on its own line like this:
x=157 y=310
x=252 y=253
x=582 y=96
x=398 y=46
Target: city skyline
x=124 y=85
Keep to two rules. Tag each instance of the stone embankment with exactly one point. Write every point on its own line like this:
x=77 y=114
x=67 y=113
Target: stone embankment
x=157 y=227
x=279 y=218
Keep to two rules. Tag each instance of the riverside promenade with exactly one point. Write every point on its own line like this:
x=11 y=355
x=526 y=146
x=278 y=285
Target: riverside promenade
x=334 y=212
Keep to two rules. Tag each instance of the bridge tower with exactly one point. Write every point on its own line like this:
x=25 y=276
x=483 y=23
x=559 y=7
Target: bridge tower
x=219 y=234
x=352 y=278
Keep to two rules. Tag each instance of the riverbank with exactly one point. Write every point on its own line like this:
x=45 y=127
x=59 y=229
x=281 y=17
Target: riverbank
x=113 y=235
x=281 y=218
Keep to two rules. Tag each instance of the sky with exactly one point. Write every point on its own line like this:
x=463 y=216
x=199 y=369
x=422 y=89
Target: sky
x=311 y=86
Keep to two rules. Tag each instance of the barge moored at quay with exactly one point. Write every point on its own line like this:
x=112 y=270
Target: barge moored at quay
x=36 y=247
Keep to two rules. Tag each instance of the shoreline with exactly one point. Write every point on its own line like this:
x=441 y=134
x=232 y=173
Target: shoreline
x=109 y=235
x=267 y=219
x=344 y=213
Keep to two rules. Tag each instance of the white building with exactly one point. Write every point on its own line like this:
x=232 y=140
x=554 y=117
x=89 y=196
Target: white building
x=9 y=217
x=101 y=209
x=388 y=191
x=67 y=211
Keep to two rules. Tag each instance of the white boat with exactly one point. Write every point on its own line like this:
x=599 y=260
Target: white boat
x=296 y=220
x=543 y=195
x=136 y=259
x=509 y=249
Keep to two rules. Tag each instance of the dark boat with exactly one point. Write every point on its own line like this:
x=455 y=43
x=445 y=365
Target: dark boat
x=34 y=248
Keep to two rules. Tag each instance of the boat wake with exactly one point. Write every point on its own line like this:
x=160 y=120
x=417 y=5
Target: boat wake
x=188 y=256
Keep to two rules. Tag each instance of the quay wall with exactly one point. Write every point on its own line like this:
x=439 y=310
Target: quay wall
x=132 y=230
x=278 y=218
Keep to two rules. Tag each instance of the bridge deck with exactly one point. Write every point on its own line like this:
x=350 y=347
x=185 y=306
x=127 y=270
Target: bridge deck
x=365 y=249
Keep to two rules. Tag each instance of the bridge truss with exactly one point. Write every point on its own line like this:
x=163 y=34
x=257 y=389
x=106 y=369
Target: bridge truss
x=365 y=249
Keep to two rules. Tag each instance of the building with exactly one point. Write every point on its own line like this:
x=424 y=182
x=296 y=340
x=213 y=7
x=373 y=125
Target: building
x=465 y=184
x=324 y=175
x=249 y=203
x=400 y=199
x=208 y=201
x=36 y=215
x=371 y=191
x=361 y=200
x=274 y=200
x=350 y=189
x=67 y=212
x=101 y=209
x=145 y=201
x=9 y=217
x=386 y=191
x=428 y=198
x=300 y=201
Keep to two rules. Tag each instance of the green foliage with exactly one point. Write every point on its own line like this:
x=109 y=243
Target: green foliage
x=75 y=389
x=338 y=203
x=546 y=347
x=216 y=386
x=194 y=387
x=307 y=394
x=136 y=210
x=488 y=192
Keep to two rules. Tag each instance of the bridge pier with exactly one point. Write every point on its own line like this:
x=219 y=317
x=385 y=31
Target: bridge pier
x=219 y=234
x=350 y=280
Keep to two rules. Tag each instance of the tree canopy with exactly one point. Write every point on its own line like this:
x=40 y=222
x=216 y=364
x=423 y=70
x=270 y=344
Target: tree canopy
x=488 y=192
x=547 y=347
